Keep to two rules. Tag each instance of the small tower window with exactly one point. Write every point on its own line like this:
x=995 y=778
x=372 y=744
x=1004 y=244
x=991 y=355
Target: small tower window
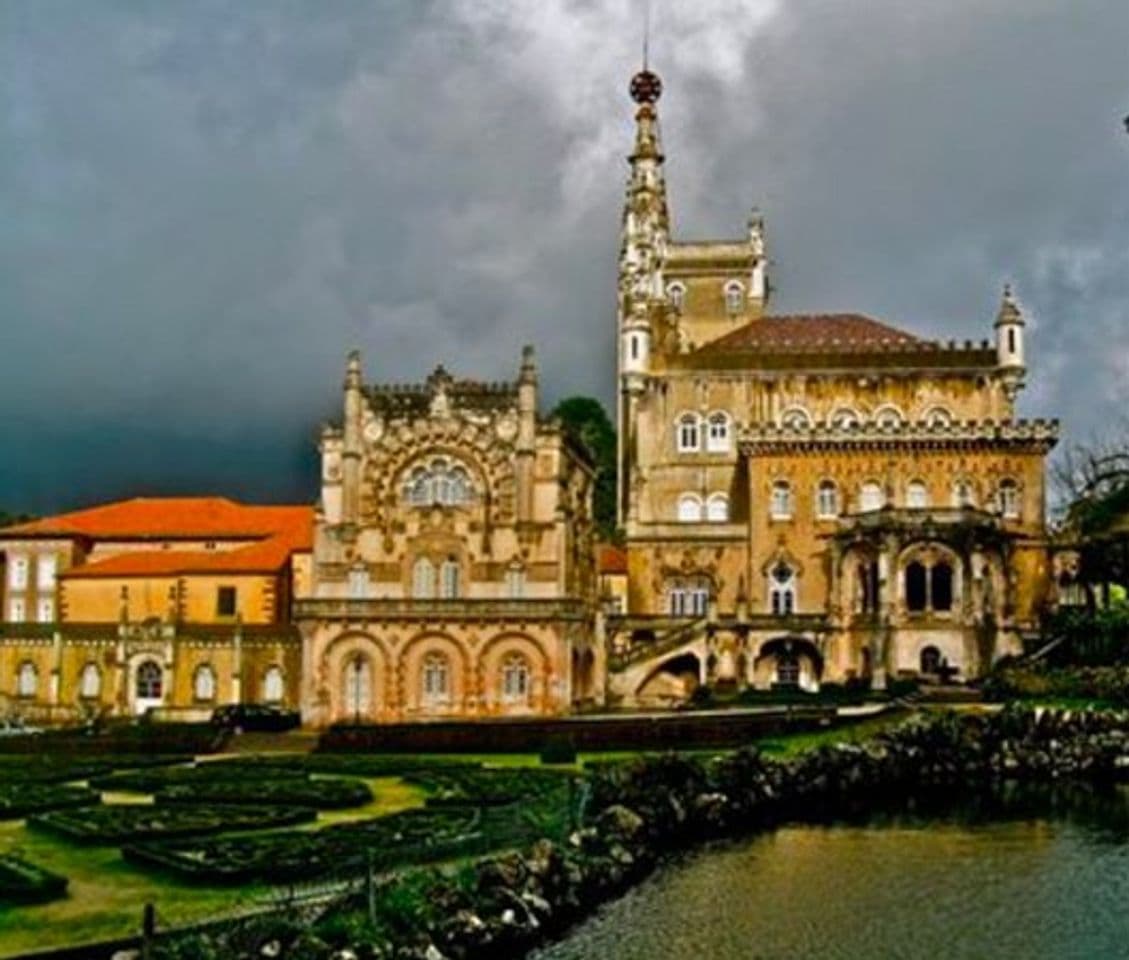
x=1011 y=339
x=717 y=433
x=827 y=500
x=676 y=294
x=1008 y=498
x=781 y=506
x=734 y=298
x=689 y=433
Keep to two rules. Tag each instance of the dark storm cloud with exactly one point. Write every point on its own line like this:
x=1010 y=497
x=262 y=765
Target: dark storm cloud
x=205 y=205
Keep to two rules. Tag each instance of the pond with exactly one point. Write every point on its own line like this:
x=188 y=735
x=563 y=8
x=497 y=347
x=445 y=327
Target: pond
x=1032 y=874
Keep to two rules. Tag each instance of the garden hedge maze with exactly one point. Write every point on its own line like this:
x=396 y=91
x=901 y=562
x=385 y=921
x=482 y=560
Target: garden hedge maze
x=22 y=882
x=20 y=800
x=125 y=823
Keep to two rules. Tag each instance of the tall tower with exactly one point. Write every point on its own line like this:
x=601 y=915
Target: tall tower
x=644 y=236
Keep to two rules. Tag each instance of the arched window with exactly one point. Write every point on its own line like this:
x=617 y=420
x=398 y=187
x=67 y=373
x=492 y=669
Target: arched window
x=827 y=500
x=689 y=433
x=938 y=417
x=796 y=418
x=963 y=495
x=676 y=294
x=1008 y=499
x=436 y=679
x=717 y=508
x=781 y=507
x=441 y=482
x=941 y=586
x=917 y=495
x=357 y=683
x=688 y=596
x=782 y=590
x=871 y=497
x=449 y=579
x=423 y=579
x=272 y=685
x=717 y=433
x=150 y=681
x=916 y=591
x=888 y=417
x=515 y=679
x=90 y=682
x=734 y=297
x=930 y=660
x=27 y=679
x=204 y=683
x=845 y=419
x=689 y=508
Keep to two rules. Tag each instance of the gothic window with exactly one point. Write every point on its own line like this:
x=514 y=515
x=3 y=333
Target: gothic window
x=781 y=507
x=717 y=508
x=930 y=660
x=423 y=579
x=436 y=679
x=888 y=417
x=357 y=687
x=449 y=579
x=204 y=683
x=515 y=582
x=963 y=495
x=90 y=682
x=871 y=497
x=782 y=590
x=150 y=681
x=917 y=495
x=941 y=587
x=17 y=571
x=1008 y=499
x=916 y=589
x=689 y=508
x=827 y=500
x=717 y=433
x=27 y=679
x=796 y=418
x=676 y=294
x=688 y=596
x=734 y=297
x=845 y=419
x=938 y=417
x=515 y=679
x=441 y=482
x=359 y=584
x=689 y=433
x=272 y=685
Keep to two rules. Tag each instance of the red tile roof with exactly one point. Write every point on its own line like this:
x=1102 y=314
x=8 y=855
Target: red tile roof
x=610 y=559
x=804 y=332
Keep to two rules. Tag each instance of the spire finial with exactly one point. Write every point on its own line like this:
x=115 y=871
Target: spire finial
x=646 y=87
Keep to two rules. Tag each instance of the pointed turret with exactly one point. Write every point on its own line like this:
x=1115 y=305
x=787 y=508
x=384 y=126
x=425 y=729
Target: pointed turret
x=351 y=453
x=1009 y=332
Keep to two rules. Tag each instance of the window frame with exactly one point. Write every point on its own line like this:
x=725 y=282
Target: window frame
x=204 y=670
x=224 y=593
x=718 y=431
x=90 y=669
x=880 y=501
x=688 y=433
x=687 y=500
x=27 y=680
x=1008 y=499
x=917 y=494
x=735 y=297
x=831 y=488
x=271 y=676
x=782 y=504
x=717 y=508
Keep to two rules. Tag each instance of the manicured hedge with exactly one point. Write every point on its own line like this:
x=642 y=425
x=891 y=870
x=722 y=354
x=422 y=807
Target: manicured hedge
x=413 y=836
x=124 y=823
x=21 y=800
x=61 y=768
x=489 y=786
x=349 y=764
x=119 y=739
x=322 y=793
x=23 y=882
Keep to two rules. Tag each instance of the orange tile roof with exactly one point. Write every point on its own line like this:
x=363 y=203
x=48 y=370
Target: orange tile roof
x=610 y=558
x=831 y=331
x=167 y=518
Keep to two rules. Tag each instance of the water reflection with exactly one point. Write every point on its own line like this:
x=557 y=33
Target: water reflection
x=1022 y=872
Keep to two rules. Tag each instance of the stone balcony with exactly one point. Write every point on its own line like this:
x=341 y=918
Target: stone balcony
x=523 y=611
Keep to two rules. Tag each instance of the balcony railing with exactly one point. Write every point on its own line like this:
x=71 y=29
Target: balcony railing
x=461 y=608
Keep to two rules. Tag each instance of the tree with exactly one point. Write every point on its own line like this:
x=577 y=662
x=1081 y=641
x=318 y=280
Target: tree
x=586 y=422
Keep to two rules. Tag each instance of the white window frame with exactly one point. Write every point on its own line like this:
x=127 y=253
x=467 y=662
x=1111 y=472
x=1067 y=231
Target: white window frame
x=871 y=497
x=17 y=610
x=423 y=579
x=17 y=571
x=449 y=579
x=734 y=293
x=516 y=679
x=204 y=683
x=717 y=508
x=515 y=583
x=689 y=508
x=435 y=679
x=781 y=503
x=45 y=610
x=917 y=495
x=357 y=686
x=827 y=500
x=688 y=433
x=90 y=682
x=274 y=686
x=360 y=583
x=27 y=680
x=782 y=592
x=46 y=566
x=688 y=599
x=1007 y=497
x=718 y=432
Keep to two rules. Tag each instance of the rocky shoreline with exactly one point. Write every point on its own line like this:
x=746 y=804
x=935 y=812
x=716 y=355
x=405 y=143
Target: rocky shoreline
x=642 y=811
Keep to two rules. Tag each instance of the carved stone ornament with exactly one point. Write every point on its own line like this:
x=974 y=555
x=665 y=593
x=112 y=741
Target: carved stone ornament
x=507 y=428
x=374 y=429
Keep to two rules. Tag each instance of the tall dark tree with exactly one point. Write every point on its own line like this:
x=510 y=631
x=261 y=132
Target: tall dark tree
x=585 y=420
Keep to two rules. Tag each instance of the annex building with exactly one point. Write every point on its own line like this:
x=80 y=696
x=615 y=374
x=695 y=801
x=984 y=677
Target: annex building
x=803 y=499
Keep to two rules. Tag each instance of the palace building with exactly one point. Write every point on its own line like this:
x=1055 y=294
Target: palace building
x=808 y=498
x=804 y=499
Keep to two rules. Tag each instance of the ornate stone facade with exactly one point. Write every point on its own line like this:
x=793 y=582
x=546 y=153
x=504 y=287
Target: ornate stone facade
x=808 y=498
x=453 y=565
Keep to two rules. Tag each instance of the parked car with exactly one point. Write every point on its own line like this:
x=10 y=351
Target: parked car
x=266 y=717
x=17 y=728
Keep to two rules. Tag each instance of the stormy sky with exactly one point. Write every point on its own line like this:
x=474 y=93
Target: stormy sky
x=204 y=205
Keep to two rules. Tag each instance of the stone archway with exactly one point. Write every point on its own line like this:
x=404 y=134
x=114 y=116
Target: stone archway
x=514 y=675
x=672 y=681
x=788 y=663
x=435 y=676
x=354 y=675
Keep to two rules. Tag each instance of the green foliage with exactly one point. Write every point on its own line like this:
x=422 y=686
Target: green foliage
x=321 y=794
x=1092 y=637
x=1107 y=685
x=585 y=421
x=121 y=823
x=18 y=800
x=558 y=750
x=23 y=882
